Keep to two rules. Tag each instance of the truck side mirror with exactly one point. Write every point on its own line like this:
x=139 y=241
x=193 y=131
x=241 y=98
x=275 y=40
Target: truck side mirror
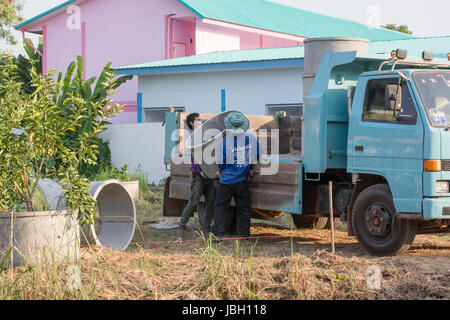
x=393 y=97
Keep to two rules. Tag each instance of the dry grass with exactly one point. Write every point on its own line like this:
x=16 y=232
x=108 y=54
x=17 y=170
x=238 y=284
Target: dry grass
x=205 y=274
x=212 y=271
x=294 y=266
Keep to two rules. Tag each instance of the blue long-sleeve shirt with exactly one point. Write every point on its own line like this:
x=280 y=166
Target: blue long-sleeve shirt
x=236 y=156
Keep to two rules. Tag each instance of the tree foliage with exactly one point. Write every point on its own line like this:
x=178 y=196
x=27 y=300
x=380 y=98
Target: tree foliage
x=398 y=28
x=9 y=17
x=50 y=133
x=25 y=64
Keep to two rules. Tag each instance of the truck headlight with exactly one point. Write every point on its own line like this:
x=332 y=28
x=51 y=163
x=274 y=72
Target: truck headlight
x=442 y=187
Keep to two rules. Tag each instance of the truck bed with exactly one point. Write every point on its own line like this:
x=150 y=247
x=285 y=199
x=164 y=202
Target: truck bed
x=270 y=194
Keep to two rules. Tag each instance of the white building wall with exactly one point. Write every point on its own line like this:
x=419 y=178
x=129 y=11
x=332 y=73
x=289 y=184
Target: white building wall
x=210 y=38
x=246 y=90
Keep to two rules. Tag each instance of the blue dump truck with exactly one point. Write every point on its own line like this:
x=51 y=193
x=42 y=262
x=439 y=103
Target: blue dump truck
x=378 y=127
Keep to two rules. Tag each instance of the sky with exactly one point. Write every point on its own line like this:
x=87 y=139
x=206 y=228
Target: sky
x=431 y=19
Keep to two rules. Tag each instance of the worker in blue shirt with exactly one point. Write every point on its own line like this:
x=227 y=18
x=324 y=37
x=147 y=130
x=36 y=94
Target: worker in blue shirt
x=237 y=153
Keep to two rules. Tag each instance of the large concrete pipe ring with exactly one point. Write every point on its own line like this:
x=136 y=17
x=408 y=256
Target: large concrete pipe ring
x=52 y=192
x=36 y=237
x=117 y=212
x=208 y=136
x=315 y=48
x=117 y=216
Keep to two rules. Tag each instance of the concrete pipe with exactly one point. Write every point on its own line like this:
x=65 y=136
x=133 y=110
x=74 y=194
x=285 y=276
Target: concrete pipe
x=37 y=237
x=117 y=212
x=308 y=81
x=202 y=142
x=117 y=216
x=315 y=48
x=52 y=192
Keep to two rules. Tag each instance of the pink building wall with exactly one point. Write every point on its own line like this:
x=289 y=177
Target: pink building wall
x=212 y=38
x=257 y=41
x=124 y=32
x=184 y=34
x=62 y=45
x=137 y=31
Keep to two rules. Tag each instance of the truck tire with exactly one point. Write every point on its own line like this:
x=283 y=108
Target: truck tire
x=309 y=222
x=336 y=221
x=375 y=224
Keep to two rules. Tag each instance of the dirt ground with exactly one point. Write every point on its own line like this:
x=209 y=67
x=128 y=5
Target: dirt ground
x=286 y=263
x=279 y=263
x=421 y=273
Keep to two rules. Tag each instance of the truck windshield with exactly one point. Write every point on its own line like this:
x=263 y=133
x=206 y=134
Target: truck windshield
x=434 y=90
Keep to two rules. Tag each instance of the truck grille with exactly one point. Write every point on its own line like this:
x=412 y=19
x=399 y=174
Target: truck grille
x=445 y=165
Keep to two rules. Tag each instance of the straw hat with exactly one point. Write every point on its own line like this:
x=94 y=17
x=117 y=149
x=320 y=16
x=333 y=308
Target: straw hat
x=237 y=122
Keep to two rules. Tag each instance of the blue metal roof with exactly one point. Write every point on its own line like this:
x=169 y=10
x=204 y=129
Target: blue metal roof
x=225 y=57
x=228 y=60
x=272 y=16
x=279 y=57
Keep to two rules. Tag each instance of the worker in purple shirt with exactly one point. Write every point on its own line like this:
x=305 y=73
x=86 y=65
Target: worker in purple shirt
x=200 y=185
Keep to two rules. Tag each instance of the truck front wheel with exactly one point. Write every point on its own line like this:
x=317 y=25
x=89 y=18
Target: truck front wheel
x=375 y=225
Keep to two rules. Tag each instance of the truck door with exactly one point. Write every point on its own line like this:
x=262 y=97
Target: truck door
x=388 y=144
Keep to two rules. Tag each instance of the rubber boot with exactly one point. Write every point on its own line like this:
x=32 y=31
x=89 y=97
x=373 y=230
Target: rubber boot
x=180 y=235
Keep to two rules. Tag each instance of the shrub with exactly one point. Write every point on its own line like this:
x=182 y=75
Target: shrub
x=111 y=172
x=45 y=134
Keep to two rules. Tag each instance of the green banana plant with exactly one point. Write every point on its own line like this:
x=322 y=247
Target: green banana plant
x=95 y=95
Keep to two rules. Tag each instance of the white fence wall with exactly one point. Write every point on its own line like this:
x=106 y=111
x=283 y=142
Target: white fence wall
x=139 y=146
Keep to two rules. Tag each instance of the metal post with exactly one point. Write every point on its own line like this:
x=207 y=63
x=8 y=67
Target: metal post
x=12 y=239
x=331 y=216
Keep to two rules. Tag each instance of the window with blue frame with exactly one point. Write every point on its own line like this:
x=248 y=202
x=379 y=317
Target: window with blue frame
x=155 y=115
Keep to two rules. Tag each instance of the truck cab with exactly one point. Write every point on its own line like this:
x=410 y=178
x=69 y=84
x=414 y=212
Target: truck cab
x=398 y=149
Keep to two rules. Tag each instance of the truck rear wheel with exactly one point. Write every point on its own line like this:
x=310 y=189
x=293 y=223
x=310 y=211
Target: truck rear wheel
x=309 y=221
x=230 y=220
x=336 y=223
x=375 y=225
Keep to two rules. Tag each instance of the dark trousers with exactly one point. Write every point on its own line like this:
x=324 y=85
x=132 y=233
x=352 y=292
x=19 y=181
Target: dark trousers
x=199 y=187
x=241 y=193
